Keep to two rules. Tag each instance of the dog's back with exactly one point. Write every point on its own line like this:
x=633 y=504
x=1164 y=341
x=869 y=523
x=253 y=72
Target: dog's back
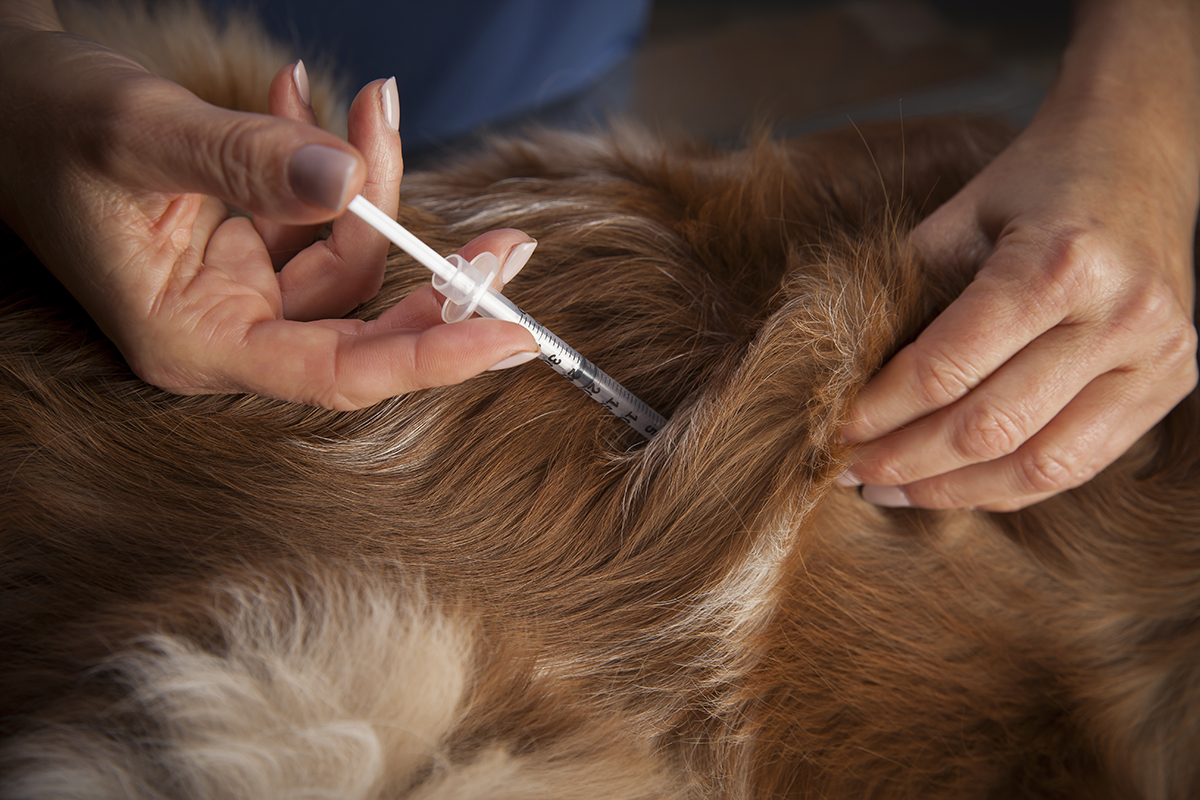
x=497 y=589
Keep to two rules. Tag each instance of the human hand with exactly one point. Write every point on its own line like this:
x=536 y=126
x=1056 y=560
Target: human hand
x=115 y=178
x=1076 y=335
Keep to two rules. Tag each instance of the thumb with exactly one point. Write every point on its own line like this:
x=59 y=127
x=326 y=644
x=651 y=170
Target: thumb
x=287 y=171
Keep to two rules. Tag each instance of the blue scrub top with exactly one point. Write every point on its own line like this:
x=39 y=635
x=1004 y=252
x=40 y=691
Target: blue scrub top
x=460 y=64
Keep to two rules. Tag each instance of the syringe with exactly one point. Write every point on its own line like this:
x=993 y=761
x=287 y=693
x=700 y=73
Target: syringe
x=469 y=290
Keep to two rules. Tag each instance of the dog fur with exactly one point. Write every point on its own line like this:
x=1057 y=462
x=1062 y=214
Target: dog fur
x=499 y=590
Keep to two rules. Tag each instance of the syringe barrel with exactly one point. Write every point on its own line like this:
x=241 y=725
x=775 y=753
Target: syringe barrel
x=566 y=361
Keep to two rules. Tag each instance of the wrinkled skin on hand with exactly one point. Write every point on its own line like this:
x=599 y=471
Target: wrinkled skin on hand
x=118 y=180
x=1076 y=334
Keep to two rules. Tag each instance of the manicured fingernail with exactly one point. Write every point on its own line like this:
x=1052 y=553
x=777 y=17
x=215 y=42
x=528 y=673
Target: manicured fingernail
x=517 y=258
x=512 y=361
x=321 y=175
x=848 y=480
x=389 y=99
x=886 y=496
x=300 y=78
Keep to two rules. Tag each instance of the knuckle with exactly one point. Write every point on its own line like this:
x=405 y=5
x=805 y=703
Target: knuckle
x=231 y=154
x=1065 y=268
x=988 y=433
x=1160 y=333
x=885 y=470
x=1179 y=346
x=335 y=389
x=1049 y=470
x=1150 y=307
x=940 y=381
x=1063 y=273
x=936 y=494
x=1050 y=292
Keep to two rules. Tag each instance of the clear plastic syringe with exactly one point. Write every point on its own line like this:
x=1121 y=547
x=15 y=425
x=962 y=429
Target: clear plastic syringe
x=469 y=290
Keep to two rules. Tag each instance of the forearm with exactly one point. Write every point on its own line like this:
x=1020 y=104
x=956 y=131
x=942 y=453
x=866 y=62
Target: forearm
x=1141 y=58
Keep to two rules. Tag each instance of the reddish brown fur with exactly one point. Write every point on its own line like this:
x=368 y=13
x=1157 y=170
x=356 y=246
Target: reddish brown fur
x=1048 y=653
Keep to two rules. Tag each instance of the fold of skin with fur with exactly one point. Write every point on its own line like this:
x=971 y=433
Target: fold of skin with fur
x=497 y=589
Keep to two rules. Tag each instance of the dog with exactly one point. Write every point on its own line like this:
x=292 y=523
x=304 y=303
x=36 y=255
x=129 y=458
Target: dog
x=499 y=590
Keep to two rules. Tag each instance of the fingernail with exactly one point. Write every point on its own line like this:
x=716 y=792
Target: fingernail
x=321 y=175
x=517 y=258
x=389 y=99
x=300 y=78
x=848 y=480
x=886 y=496
x=512 y=361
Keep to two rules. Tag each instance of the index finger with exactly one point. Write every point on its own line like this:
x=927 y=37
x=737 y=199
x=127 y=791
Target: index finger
x=1006 y=307
x=345 y=364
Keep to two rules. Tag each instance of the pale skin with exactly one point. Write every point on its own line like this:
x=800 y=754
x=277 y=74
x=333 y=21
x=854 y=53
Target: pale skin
x=1073 y=339
x=116 y=178
x=1076 y=335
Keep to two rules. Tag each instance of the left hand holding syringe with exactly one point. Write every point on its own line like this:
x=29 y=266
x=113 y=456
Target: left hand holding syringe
x=142 y=169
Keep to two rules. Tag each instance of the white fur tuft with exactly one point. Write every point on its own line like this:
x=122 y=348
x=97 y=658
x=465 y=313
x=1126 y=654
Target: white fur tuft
x=344 y=693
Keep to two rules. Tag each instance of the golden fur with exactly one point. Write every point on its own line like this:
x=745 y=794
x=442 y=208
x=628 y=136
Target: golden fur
x=499 y=590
